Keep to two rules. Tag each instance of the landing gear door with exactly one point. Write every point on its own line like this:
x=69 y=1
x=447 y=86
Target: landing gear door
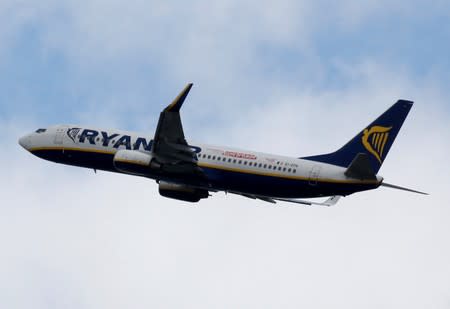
x=59 y=136
x=314 y=175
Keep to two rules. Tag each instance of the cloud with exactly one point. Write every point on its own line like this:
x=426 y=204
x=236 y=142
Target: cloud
x=110 y=240
x=72 y=238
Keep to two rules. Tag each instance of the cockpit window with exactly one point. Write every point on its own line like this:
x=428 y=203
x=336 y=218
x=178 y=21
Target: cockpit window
x=41 y=130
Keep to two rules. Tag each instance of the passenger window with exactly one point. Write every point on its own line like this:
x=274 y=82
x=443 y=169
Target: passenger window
x=279 y=168
x=245 y=162
x=294 y=171
x=240 y=162
x=214 y=157
x=265 y=165
x=284 y=169
x=234 y=161
x=270 y=167
x=209 y=157
x=289 y=170
x=259 y=165
x=229 y=160
x=224 y=159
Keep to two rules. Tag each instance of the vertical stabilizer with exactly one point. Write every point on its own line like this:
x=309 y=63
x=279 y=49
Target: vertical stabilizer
x=374 y=141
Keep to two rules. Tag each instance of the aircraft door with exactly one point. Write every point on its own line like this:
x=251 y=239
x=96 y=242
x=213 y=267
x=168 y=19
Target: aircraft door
x=314 y=175
x=59 y=136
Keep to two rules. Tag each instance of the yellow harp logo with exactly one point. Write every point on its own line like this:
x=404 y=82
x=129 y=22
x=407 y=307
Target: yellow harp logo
x=374 y=140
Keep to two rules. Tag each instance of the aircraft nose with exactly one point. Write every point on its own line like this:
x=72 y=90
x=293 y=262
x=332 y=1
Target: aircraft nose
x=25 y=142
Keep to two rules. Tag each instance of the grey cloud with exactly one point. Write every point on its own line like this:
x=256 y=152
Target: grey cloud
x=72 y=238
x=110 y=240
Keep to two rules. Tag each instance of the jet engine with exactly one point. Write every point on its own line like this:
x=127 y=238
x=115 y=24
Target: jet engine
x=134 y=162
x=181 y=192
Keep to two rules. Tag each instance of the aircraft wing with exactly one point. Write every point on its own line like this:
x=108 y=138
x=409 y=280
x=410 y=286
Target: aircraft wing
x=329 y=202
x=169 y=144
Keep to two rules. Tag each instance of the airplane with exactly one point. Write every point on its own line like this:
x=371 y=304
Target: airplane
x=190 y=171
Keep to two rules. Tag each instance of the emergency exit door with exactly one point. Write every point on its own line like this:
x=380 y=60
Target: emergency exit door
x=59 y=136
x=314 y=175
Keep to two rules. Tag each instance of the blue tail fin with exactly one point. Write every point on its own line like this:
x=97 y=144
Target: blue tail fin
x=375 y=140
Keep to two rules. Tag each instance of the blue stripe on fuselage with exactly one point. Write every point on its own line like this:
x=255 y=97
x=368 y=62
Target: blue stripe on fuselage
x=220 y=179
x=277 y=186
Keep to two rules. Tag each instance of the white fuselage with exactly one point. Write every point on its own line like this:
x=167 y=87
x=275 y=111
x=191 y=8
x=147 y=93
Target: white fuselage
x=227 y=168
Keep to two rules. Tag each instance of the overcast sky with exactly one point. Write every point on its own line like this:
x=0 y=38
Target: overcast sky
x=289 y=77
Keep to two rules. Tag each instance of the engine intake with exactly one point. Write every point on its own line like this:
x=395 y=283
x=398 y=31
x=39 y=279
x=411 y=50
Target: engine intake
x=181 y=192
x=133 y=162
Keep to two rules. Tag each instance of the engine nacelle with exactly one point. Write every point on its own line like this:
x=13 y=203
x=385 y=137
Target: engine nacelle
x=133 y=162
x=181 y=192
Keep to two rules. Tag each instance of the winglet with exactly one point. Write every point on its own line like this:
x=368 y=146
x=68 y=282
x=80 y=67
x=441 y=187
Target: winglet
x=332 y=200
x=178 y=101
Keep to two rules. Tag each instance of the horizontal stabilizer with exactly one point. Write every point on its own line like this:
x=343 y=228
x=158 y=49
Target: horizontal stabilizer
x=402 y=188
x=360 y=168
